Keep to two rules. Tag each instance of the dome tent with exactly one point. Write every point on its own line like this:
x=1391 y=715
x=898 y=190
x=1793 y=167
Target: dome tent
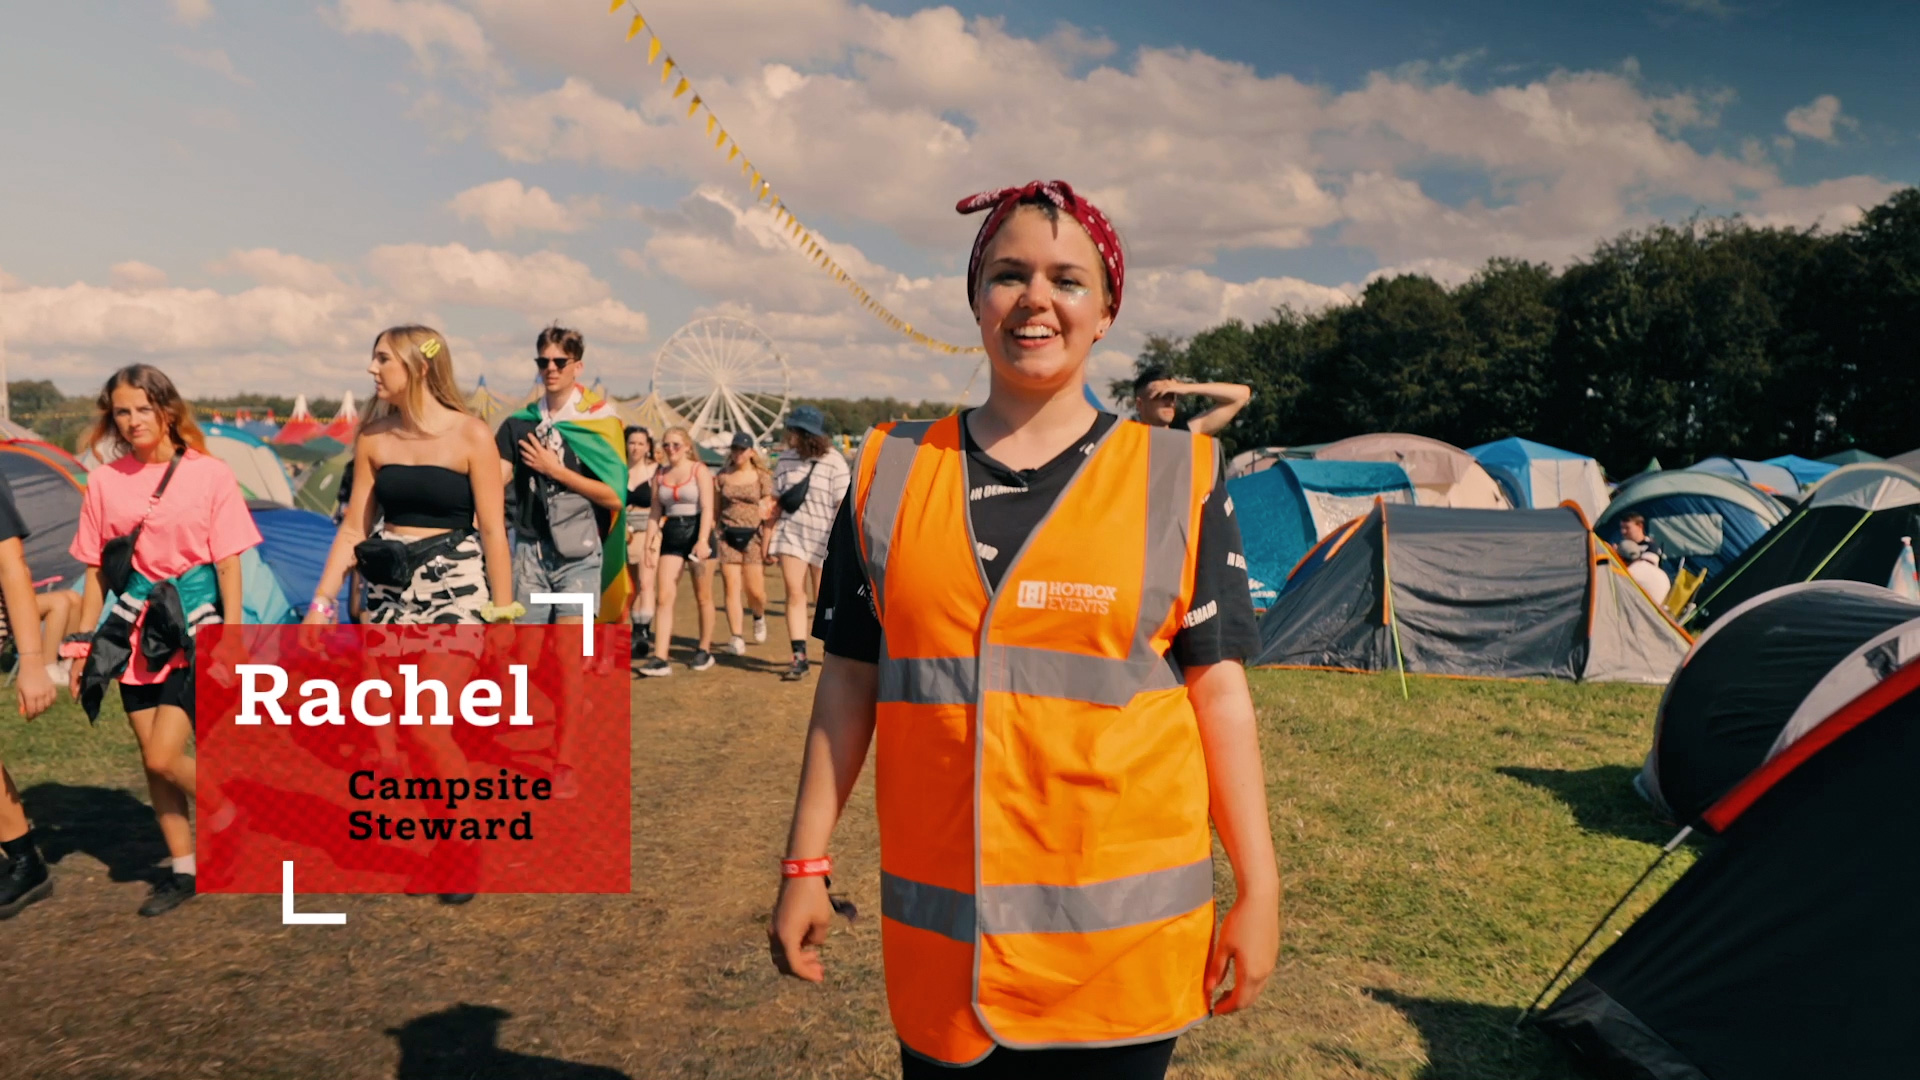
x=320 y=488
x=1806 y=471
x=48 y=495
x=1852 y=456
x=1542 y=477
x=1772 y=479
x=1288 y=507
x=1442 y=474
x=255 y=464
x=1731 y=706
x=1849 y=528
x=1702 y=519
x=1787 y=950
x=1430 y=590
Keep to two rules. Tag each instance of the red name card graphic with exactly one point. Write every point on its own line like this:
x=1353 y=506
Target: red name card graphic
x=419 y=759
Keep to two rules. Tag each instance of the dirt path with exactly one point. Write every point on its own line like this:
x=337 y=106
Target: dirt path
x=671 y=980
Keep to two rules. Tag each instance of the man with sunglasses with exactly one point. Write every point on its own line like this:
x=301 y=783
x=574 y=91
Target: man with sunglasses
x=561 y=508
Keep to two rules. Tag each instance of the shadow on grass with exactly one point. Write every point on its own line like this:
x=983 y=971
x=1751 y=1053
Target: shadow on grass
x=108 y=824
x=1602 y=800
x=463 y=1042
x=1467 y=1041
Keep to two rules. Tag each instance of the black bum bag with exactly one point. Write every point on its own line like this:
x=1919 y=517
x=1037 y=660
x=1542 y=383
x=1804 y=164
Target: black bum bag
x=386 y=561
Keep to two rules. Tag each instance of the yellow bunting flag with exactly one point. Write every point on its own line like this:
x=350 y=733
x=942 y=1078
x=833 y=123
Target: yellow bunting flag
x=804 y=240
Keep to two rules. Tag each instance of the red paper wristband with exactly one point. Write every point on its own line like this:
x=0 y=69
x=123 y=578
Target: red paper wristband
x=819 y=867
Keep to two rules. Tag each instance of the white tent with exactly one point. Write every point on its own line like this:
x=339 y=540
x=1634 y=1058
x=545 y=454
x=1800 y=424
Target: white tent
x=1442 y=473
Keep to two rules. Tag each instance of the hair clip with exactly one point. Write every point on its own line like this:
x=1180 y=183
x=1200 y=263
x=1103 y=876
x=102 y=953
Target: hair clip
x=430 y=348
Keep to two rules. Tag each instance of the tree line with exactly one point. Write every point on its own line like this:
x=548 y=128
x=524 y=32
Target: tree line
x=1675 y=342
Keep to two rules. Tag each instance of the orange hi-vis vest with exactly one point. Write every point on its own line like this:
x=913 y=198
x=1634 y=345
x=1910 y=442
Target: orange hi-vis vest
x=1046 y=866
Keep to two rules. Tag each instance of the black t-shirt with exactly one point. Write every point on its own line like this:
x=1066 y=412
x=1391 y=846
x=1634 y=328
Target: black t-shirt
x=1006 y=505
x=527 y=514
x=11 y=525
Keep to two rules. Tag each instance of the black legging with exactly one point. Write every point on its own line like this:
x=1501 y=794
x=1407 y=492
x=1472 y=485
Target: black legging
x=1145 y=1061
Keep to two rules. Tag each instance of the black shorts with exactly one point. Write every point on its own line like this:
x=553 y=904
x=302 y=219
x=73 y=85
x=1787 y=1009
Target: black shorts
x=678 y=535
x=176 y=691
x=1142 y=1061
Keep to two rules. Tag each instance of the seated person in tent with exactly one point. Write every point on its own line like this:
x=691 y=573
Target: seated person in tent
x=1641 y=555
x=1157 y=394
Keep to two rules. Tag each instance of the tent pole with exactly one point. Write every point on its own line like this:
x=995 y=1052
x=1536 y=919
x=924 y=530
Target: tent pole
x=1838 y=546
x=1701 y=605
x=1677 y=840
x=1393 y=620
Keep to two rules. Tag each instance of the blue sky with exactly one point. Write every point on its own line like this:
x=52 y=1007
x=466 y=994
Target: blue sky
x=245 y=192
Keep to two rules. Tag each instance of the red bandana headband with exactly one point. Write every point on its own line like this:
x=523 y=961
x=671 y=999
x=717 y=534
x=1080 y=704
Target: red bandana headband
x=1060 y=194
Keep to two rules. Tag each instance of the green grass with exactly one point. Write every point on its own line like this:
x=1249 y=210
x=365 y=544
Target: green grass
x=1441 y=855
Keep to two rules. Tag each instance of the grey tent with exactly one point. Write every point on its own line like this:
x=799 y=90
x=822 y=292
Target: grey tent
x=1519 y=593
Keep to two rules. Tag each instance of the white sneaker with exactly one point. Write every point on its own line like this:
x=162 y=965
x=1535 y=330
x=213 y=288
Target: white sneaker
x=737 y=645
x=759 y=629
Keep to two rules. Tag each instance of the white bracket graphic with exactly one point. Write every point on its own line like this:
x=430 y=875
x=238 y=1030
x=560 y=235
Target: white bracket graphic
x=290 y=917
x=587 y=602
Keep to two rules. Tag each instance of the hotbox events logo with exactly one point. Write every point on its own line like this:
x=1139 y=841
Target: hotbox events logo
x=436 y=759
x=1077 y=596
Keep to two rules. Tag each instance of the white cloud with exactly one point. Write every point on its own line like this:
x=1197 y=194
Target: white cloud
x=303 y=325
x=433 y=30
x=135 y=275
x=1818 y=118
x=506 y=206
x=1830 y=204
x=270 y=267
x=455 y=274
x=216 y=61
x=193 y=12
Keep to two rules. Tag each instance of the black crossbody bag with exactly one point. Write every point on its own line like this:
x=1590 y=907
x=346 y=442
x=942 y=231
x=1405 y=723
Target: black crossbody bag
x=116 y=555
x=385 y=561
x=795 y=497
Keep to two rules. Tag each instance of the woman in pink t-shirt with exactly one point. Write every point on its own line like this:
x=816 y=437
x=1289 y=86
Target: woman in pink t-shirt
x=185 y=567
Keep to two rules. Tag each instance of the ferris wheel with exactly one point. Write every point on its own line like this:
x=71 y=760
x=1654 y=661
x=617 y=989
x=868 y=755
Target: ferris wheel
x=724 y=375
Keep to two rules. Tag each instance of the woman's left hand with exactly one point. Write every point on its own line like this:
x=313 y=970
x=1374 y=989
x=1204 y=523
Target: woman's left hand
x=230 y=652
x=1249 y=941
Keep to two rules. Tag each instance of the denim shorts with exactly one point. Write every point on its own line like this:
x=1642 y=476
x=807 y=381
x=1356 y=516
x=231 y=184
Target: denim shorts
x=538 y=569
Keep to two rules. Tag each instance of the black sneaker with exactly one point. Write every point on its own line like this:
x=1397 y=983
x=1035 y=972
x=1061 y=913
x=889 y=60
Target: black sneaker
x=655 y=667
x=24 y=882
x=454 y=898
x=702 y=660
x=170 y=893
x=797 y=672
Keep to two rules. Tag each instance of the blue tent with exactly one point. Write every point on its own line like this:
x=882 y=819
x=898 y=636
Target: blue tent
x=1703 y=519
x=1806 y=471
x=294 y=545
x=1286 y=508
x=1768 y=477
x=1542 y=477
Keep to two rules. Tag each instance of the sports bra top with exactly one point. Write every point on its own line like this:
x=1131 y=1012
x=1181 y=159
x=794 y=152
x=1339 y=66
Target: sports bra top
x=424 y=496
x=682 y=499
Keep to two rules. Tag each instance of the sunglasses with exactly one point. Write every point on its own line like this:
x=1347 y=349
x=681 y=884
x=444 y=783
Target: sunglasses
x=560 y=364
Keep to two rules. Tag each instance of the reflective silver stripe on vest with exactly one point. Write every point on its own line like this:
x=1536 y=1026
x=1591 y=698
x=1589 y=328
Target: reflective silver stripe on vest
x=1048 y=909
x=1047 y=673
x=944 y=911
x=1103 y=905
x=884 y=494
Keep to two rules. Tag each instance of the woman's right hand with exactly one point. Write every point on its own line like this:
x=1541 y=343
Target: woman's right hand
x=802 y=915
x=79 y=674
x=312 y=638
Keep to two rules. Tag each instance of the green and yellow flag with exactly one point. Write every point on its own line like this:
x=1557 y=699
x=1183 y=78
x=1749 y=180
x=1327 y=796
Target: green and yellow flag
x=598 y=438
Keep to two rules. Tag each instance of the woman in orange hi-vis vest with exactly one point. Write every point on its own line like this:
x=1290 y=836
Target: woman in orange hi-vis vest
x=1036 y=613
